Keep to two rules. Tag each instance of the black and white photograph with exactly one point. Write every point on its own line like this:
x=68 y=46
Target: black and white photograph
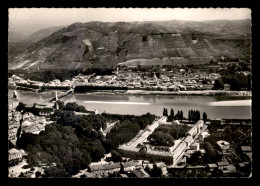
x=129 y=93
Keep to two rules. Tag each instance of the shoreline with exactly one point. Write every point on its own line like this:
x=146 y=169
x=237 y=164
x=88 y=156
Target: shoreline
x=157 y=93
x=184 y=93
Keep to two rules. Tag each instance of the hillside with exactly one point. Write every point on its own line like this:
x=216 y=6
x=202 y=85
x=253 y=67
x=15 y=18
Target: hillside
x=103 y=45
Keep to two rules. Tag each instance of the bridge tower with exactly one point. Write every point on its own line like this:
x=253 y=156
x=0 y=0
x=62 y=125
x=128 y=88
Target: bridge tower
x=55 y=95
x=15 y=95
x=56 y=105
x=117 y=70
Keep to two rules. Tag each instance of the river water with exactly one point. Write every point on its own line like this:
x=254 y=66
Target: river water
x=229 y=107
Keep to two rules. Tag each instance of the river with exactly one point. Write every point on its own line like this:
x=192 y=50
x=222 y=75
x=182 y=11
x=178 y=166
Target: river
x=229 y=107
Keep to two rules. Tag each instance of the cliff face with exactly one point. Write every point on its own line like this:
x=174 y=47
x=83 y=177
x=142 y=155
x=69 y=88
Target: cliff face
x=98 y=44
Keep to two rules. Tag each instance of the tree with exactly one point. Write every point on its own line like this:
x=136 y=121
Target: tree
x=172 y=114
x=181 y=115
x=27 y=139
x=115 y=156
x=54 y=172
x=20 y=107
x=218 y=84
x=156 y=171
x=162 y=139
x=195 y=158
x=10 y=145
x=97 y=150
x=166 y=112
x=72 y=106
x=204 y=117
x=212 y=155
x=61 y=104
x=37 y=174
x=147 y=169
x=197 y=115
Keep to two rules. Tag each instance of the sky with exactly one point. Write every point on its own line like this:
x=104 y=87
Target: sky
x=28 y=20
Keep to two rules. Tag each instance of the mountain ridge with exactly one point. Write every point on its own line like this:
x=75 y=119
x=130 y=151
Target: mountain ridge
x=106 y=44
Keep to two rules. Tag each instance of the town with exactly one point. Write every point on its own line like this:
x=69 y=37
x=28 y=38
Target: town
x=140 y=78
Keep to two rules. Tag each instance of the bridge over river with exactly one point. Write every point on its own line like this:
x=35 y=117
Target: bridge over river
x=56 y=97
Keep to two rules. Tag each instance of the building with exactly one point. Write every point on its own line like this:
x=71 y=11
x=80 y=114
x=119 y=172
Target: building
x=34 y=129
x=140 y=173
x=104 y=169
x=224 y=146
x=212 y=167
x=128 y=166
x=176 y=122
x=203 y=135
x=14 y=154
x=246 y=149
x=226 y=86
x=229 y=169
x=196 y=128
x=216 y=121
x=12 y=135
x=165 y=123
x=195 y=146
x=12 y=104
x=168 y=155
x=188 y=140
x=123 y=176
x=222 y=164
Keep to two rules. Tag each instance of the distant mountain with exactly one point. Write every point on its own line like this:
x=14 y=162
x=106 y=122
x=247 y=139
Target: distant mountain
x=39 y=35
x=17 y=43
x=14 y=37
x=100 y=44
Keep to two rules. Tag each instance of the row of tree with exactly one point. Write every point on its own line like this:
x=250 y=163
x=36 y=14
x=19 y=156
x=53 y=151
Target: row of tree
x=172 y=117
x=194 y=115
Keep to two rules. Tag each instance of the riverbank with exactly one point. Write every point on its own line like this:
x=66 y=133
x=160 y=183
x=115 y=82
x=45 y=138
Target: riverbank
x=146 y=92
x=199 y=93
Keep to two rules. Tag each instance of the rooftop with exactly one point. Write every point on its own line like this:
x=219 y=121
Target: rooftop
x=141 y=173
x=246 y=148
x=104 y=167
x=213 y=165
x=223 y=163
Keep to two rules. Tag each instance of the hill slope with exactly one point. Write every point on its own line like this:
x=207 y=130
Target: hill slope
x=99 y=44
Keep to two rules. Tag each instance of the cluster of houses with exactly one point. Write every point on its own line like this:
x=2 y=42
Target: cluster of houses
x=167 y=80
x=225 y=167
x=15 y=156
x=131 y=168
x=14 y=118
x=17 y=123
x=33 y=124
x=19 y=81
